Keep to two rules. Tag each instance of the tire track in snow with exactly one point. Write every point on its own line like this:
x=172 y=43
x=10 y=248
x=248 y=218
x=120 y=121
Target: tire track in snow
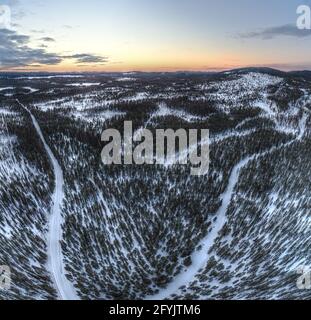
x=64 y=288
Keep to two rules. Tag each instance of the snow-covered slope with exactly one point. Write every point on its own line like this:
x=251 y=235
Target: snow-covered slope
x=143 y=232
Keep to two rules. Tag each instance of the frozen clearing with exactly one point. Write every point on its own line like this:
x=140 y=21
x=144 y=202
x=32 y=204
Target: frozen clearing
x=7 y=88
x=64 y=288
x=86 y=84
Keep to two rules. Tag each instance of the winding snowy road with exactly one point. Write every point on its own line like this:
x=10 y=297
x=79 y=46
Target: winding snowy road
x=64 y=288
x=200 y=258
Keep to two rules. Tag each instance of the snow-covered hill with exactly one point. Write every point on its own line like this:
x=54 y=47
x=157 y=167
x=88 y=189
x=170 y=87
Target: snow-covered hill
x=147 y=232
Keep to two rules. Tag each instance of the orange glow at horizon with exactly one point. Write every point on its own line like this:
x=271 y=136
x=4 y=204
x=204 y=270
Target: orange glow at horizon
x=164 y=63
x=152 y=36
x=146 y=61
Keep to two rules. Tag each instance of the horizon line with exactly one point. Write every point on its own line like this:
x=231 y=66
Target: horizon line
x=145 y=71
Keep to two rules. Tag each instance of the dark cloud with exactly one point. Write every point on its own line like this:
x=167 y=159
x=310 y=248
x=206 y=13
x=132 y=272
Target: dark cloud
x=47 y=39
x=87 y=58
x=15 y=25
x=270 y=33
x=16 y=52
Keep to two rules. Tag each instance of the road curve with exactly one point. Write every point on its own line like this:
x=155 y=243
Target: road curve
x=65 y=289
x=199 y=258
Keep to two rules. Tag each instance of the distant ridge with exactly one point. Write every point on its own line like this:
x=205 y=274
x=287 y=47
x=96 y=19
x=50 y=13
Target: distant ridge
x=265 y=70
x=305 y=74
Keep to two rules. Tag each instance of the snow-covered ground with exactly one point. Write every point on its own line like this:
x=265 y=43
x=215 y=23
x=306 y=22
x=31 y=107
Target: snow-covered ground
x=200 y=257
x=154 y=232
x=63 y=286
x=84 y=84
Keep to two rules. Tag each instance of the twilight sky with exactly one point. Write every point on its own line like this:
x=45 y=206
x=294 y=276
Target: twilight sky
x=148 y=35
